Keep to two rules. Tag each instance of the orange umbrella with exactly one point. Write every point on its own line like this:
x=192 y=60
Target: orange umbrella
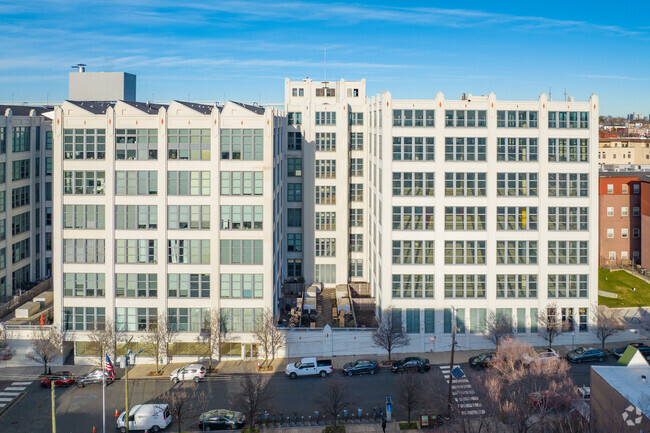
x=42 y=320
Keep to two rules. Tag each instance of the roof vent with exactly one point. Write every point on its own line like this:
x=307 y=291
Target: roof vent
x=463 y=97
x=80 y=67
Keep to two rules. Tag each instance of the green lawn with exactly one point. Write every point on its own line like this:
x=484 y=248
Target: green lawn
x=621 y=283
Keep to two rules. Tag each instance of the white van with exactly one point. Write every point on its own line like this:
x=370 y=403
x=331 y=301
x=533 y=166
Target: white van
x=149 y=417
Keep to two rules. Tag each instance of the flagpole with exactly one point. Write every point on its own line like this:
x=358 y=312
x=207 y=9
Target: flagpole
x=103 y=392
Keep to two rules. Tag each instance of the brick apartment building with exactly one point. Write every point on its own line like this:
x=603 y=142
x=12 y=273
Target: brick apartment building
x=645 y=221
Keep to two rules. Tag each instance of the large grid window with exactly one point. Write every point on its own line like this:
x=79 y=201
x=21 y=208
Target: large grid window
x=465 y=184
x=356 y=242
x=413 y=286
x=294 y=192
x=84 y=285
x=325 y=91
x=20 y=250
x=239 y=217
x=356 y=268
x=294 y=217
x=413 y=252
x=188 y=217
x=84 y=144
x=516 y=218
x=189 y=144
x=413 y=184
x=140 y=144
x=242 y=144
x=568 y=150
x=517 y=149
x=20 y=223
x=136 y=251
x=517 y=184
x=136 y=285
x=80 y=216
x=516 y=286
x=84 y=318
x=568 y=119
x=516 y=252
x=517 y=119
x=239 y=183
x=294 y=268
x=83 y=250
x=412 y=217
x=413 y=148
x=241 y=252
x=20 y=169
x=325 y=141
x=568 y=252
x=568 y=218
x=568 y=185
x=356 y=218
x=327 y=194
x=465 y=252
x=190 y=182
x=19 y=197
x=242 y=286
x=294 y=118
x=356 y=166
x=465 y=149
x=188 y=251
x=294 y=141
x=294 y=242
x=135 y=319
x=324 y=273
x=241 y=320
x=136 y=182
x=3 y=140
x=416 y=118
x=22 y=137
x=356 y=140
x=188 y=285
x=356 y=118
x=325 y=221
x=465 y=286
x=356 y=192
x=325 y=247
x=466 y=118
x=326 y=168
x=294 y=167
x=325 y=118
x=465 y=218
x=135 y=217
x=188 y=319
x=568 y=286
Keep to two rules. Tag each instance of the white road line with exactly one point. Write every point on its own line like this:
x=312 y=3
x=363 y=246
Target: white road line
x=15 y=388
x=463 y=392
x=471 y=398
x=466 y=405
x=3 y=404
x=5 y=399
x=21 y=383
x=9 y=394
x=461 y=385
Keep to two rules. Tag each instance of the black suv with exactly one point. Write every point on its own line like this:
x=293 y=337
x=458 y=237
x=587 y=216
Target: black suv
x=412 y=363
x=482 y=360
x=94 y=377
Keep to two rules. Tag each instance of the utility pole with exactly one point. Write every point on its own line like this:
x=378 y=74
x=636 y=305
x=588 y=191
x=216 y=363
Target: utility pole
x=451 y=363
x=126 y=398
x=103 y=391
x=53 y=408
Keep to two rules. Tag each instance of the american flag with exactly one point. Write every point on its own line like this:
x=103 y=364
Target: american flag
x=108 y=365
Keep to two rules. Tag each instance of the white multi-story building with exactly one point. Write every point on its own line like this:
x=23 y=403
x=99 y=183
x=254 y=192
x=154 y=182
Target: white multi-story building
x=25 y=197
x=164 y=209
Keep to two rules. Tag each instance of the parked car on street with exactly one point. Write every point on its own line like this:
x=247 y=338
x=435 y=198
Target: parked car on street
x=309 y=367
x=193 y=372
x=643 y=348
x=412 y=363
x=147 y=417
x=95 y=376
x=549 y=355
x=65 y=379
x=361 y=366
x=586 y=354
x=481 y=360
x=547 y=400
x=221 y=419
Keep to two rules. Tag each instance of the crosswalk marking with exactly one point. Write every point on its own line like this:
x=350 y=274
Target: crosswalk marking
x=10 y=393
x=15 y=388
x=5 y=399
x=471 y=398
x=463 y=393
x=3 y=404
x=21 y=383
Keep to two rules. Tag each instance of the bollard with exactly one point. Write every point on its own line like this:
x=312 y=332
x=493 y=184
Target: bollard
x=317 y=416
x=345 y=414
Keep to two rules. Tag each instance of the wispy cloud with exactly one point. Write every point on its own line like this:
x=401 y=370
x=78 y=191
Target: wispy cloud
x=610 y=77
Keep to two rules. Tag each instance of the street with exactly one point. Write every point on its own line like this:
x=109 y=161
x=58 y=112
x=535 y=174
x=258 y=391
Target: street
x=79 y=409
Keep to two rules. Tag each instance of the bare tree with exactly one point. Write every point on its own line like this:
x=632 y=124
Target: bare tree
x=46 y=345
x=607 y=323
x=252 y=395
x=389 y=335
x=213 y=335
x=104 y=338
x=158 y=338
x=410 y=392
x=549 y=327
x=334 y=398
x=498 y=327
x=268 y=336
x=185 y=402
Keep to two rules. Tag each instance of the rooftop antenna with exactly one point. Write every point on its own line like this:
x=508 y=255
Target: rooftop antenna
x=565 y=94
x=325 y=61
x=549 y=93
x=80 y=67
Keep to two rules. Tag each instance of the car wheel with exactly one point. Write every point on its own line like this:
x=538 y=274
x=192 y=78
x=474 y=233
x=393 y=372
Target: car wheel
x=293 y=375
x=349 y=373
x=601 y=359
x=323 y=374
x=155 y=429
x=372 y=371
x=578 y=361
x=175 y=380
x=196 y=379
x=80 y=385
x=122 y=429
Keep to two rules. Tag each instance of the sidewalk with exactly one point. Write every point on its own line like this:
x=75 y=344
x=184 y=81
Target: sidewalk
x=391 y=427
x=34 y=372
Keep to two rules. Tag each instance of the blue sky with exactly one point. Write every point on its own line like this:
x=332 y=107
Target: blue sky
x=243 y=50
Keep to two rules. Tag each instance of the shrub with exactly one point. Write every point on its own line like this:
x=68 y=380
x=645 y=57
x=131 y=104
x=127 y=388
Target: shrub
x=255 y=430
x=334 y=429
x=408 y=426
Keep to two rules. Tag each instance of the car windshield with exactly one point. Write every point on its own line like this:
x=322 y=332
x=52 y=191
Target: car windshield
x=298 y=364
x=580 y=350
x=354 y=363
x=482 y=356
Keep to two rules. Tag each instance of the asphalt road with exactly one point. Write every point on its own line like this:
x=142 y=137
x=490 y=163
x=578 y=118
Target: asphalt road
x=79 y=409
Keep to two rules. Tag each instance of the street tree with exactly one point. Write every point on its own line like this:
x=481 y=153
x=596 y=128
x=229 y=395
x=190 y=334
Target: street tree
x=334 y=398
x=213 y=335
x=46 y=345
x=104 y=338
x=185 y=402
x=268 y=336
x=389 y=334
x=6 y=351
x=549 y=327
x=498 y=327
x=158 y=338
x=410 y=390
x=607 y=323
x=252 y=396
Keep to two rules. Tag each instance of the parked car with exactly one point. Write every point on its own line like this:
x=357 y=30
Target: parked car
x=481 y=360
x=95 y=376
x=549 y=355
x=586 y=354
x=148 y=417
x=361 y=366
x=412 y=363
x=547 y=400
x=65 y=379
x=644 y=349
x=309 y=367
x=193 y=372
x=221 y=419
